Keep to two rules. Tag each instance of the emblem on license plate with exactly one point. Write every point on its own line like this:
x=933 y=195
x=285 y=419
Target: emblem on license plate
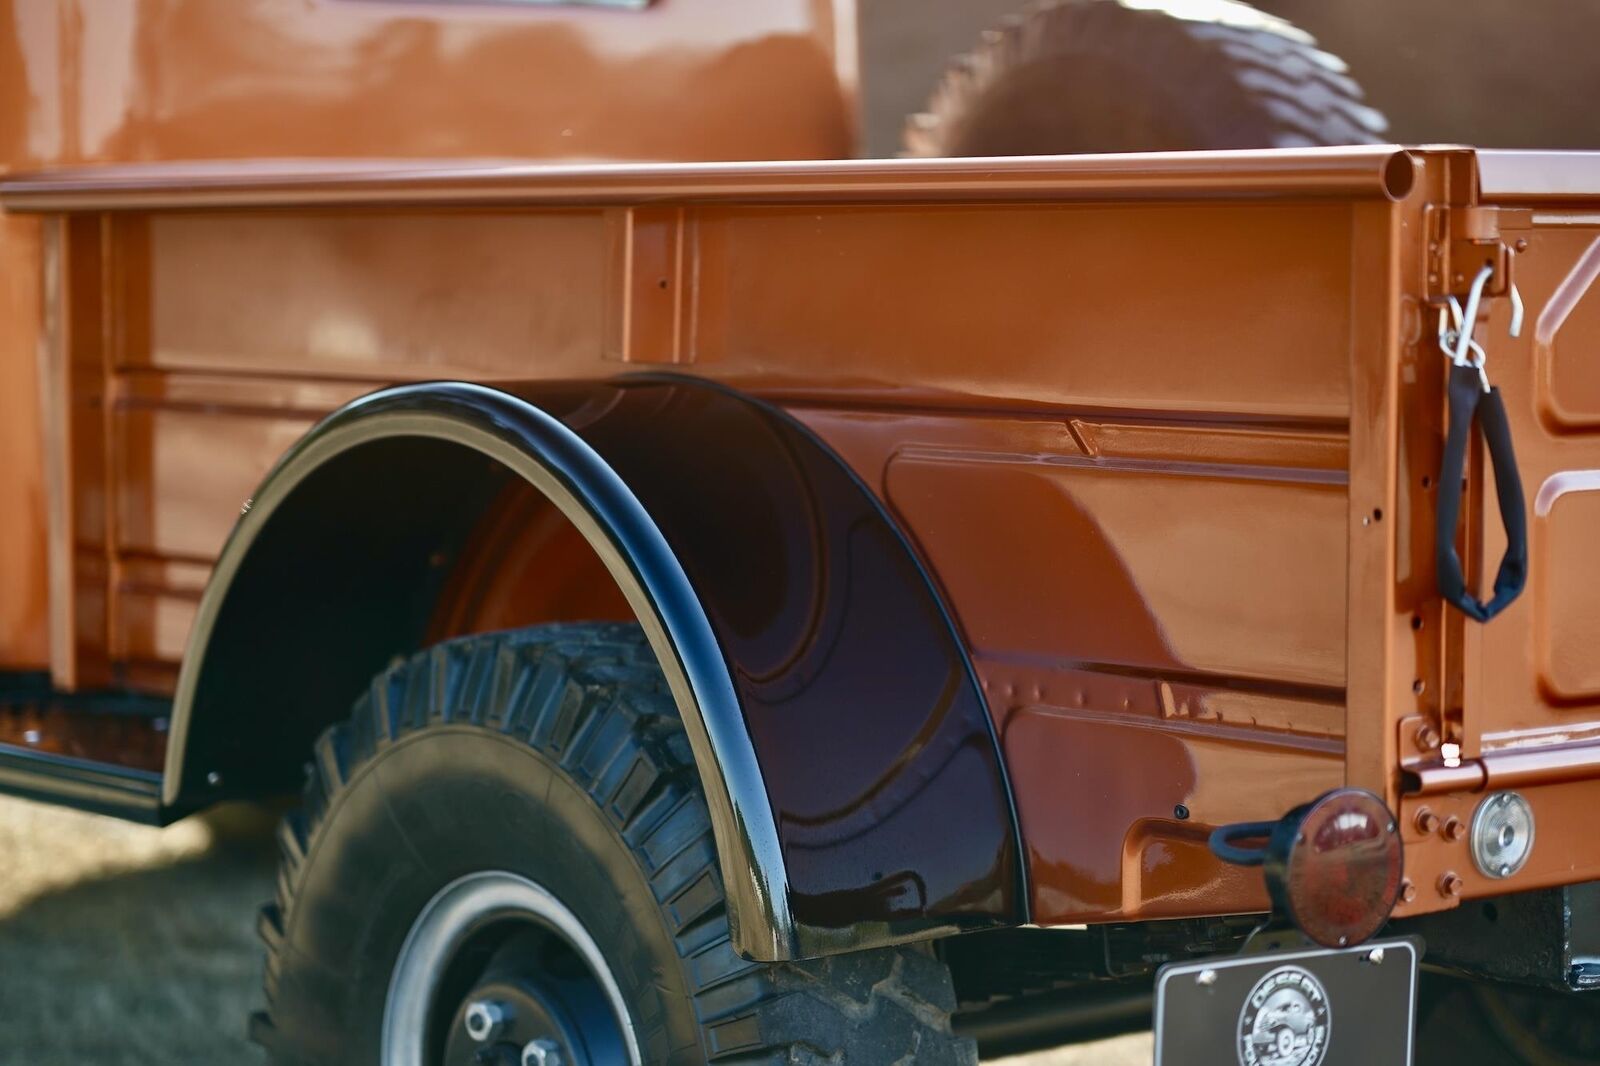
x=1285 y=1021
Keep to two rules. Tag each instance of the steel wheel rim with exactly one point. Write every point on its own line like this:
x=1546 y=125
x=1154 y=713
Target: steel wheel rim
x=455 y=913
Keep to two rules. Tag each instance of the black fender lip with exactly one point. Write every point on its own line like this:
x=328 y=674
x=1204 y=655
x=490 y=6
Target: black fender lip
x=855 y=783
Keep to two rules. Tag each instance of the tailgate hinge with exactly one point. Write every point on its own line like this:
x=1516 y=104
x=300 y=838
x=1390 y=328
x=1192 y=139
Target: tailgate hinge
x=1462 y=240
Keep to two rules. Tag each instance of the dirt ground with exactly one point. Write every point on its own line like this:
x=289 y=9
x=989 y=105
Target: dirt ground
x=122 y=945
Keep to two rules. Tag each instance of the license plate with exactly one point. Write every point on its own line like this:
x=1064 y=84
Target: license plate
x=1347 y=1007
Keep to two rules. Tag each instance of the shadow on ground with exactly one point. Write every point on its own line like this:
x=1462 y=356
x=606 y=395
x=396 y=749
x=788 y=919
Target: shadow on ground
x=149 y=958
x=122 y=945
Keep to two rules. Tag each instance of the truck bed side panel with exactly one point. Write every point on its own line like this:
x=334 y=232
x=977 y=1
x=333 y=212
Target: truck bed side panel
x=1160 y=583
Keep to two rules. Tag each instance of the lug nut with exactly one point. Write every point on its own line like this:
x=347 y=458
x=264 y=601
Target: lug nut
x=484 y=1020
x=1426 y=821
x=542 y=1052
x=1449 y=885
x=1454 y=828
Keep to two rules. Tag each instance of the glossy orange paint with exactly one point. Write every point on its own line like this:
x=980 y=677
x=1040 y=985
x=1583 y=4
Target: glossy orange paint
x=24 y=606
x=525 y=564
x=84 y=82
x=1162 y=428
x=216 y=79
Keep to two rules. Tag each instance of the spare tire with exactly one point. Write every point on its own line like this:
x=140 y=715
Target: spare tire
x=1074 y=76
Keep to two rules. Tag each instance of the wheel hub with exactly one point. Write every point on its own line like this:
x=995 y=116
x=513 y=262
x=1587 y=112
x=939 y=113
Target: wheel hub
x=527 y=1026
x=498 y=972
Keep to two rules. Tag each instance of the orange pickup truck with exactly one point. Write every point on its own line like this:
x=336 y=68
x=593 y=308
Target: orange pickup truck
x=692 y=594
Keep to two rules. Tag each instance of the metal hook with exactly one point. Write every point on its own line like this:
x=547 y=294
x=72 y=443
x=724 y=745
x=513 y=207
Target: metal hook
x=1455 y=332
x=1467 y=319
x=1451 y=336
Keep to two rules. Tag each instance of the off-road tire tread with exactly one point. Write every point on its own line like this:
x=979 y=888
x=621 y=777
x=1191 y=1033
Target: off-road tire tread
x=1302 y=95
x=591 y=699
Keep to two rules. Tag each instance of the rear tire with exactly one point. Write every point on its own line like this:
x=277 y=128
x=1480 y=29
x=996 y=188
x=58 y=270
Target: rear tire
x=552 y=757
x=1073 y=76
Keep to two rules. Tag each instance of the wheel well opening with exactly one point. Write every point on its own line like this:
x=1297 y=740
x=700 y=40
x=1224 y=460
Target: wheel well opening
x=390 y=546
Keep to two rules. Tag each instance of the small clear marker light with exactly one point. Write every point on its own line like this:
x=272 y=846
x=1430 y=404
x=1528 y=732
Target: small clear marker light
x=1502 y=834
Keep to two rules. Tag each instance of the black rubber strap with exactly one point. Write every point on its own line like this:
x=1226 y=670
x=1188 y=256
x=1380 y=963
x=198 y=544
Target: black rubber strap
x=1223 y=846
x=1468 y=401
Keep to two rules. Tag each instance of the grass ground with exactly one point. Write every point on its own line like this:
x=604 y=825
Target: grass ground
x=122 y=945
x=126 y=945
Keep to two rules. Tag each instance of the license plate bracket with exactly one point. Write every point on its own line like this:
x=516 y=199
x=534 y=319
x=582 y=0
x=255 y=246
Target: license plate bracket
x=1301 y=1007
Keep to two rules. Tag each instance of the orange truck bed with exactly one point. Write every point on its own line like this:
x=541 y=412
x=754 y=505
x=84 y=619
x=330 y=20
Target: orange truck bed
x=1165 y=431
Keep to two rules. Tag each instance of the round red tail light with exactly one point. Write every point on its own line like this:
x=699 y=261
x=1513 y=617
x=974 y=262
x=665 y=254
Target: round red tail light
x=1334 y=866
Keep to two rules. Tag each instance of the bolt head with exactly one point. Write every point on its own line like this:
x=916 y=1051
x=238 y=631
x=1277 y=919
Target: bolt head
x=542 y=1052
x=1450 y=885
x=1454 y=828
x=1426 y=821
x=1428 y=738
x=1408 y=891
x=1375 y=956
x=1206 y=978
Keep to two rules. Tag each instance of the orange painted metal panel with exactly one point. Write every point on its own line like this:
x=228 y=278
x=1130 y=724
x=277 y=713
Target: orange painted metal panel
x=1568 y=385
x=24 y=588
x=1224 y=309
x=1102 y=556
x=1098 y=792
x=1567 y=619
x=377 y=296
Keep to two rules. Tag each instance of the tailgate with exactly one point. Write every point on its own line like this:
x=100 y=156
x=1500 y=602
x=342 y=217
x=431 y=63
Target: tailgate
x=1521 y=693
x=1532 y=676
